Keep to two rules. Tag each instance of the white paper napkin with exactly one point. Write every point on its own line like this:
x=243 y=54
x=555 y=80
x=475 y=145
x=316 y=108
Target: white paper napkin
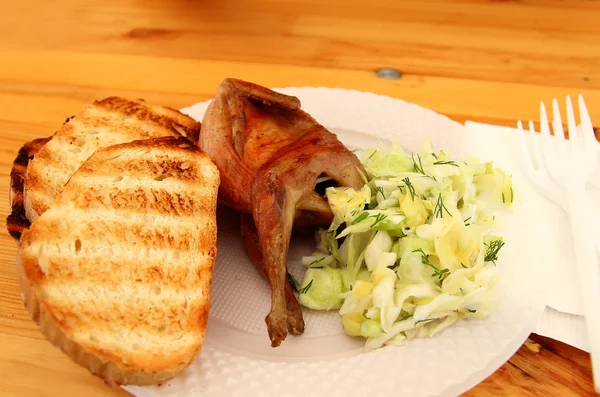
x=567 y=328
x=562 y=319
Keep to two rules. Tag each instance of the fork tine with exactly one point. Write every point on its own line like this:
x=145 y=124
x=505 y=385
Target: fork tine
x=559 y=133
x=537 y=152
x=541 y=181
x=590 y=144
x=525 y=153
x=544 y=128
x=560 y=146
x=573 y=136
x=528 y=161
x=586 y=123
x=548 y=143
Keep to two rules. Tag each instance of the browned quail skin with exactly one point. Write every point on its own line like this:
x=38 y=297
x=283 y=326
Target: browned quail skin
x=270 y=154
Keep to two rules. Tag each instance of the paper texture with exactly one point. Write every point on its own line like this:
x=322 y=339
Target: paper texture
x=564 y=327
x=562 y=320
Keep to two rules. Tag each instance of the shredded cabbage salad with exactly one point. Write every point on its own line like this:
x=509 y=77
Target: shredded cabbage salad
x=414 y=250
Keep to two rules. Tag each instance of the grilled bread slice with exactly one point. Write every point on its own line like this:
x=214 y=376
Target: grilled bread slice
x=117 y=272
x=17 y=221
x=104 y=123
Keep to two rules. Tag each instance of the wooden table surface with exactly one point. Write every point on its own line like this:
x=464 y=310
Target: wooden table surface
x=489 y=61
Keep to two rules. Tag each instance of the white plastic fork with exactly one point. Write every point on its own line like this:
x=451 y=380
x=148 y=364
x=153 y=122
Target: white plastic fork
x=567 y=166
x=538 y=167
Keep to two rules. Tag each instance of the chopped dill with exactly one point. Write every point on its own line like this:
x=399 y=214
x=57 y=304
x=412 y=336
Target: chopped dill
x=360 y=218
x=492 y=249
x=378 y=219
x=418 y=167
x=425 y=260
x=450 y=162
x=316 y=261
x=293 y=281
x=306 y=288
x=440 y=207
x=410 y=187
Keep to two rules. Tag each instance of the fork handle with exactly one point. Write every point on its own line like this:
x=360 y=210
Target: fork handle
x=588 y=269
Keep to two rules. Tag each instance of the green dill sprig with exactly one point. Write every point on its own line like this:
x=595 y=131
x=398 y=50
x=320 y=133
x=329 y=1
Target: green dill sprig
x=306 y=288
x=439 y=208
x=450 y=162
x=410 y=187
x=378 y=219
x=381 y=190
x=316 y=261
x=296 y=284
x=361 y=217
x=293 y=281
x=466 y=221
x=492 y=249
x=425 y=260
x=418 y=167
x=373 y=154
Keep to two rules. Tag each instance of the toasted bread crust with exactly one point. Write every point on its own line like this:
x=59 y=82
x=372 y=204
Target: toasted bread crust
x=17 y=221
x=62 y=253
x=161 y=115
x=103 y=123
x=107 y=370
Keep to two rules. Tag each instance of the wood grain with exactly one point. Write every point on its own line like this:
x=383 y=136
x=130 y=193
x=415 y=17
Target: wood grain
x=489 y=61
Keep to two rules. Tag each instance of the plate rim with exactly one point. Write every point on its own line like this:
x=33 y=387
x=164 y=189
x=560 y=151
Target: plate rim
x=474 y=378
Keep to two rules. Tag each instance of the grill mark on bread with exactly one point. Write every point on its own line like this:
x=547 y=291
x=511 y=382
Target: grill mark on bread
x=171 y=237
x=163 y=116
x=126 y=218
x=104 y=123
x=160 y=318
x=32 y=270
x=107 y=303
x=179 y=277
x=185 y=171
x=140 y=199
x=158 y=237
x=130 y=313
x=66 y=247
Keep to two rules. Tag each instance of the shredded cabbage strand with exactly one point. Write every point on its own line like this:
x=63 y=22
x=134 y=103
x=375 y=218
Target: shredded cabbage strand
x=413 y=251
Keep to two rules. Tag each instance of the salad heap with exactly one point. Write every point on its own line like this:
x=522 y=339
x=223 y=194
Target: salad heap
x=413 y=251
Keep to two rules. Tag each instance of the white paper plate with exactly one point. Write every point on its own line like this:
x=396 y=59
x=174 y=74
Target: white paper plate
x=237 y=359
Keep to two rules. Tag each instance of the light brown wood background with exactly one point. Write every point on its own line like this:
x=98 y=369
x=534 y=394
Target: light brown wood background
x=489 y=61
